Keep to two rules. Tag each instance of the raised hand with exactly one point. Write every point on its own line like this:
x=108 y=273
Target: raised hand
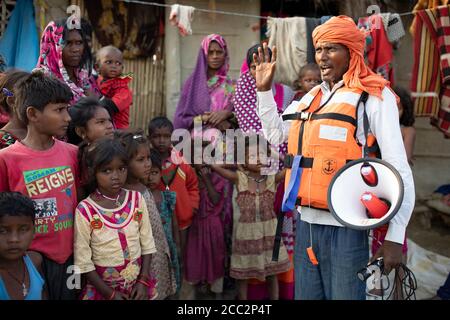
x=265 y=67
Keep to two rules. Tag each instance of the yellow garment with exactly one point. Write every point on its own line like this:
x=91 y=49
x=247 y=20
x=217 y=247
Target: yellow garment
x=102 y=247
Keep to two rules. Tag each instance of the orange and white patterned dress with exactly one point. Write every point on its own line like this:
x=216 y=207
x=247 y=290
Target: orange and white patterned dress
x=254 y=234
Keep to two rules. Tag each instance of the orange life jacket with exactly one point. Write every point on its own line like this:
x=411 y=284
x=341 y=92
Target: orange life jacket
x=326 y=138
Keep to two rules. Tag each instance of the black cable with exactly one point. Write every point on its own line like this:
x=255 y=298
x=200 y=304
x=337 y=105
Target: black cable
x=407 y=280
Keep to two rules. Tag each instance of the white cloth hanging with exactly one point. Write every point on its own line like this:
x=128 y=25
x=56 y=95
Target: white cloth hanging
x=393 y=25
x=181 y=16
x=289 y=37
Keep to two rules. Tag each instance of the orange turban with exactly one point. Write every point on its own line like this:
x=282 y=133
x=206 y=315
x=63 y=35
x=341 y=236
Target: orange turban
x=344 y=31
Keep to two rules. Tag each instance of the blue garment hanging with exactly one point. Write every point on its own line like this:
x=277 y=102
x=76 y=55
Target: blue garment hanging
x=20 y=42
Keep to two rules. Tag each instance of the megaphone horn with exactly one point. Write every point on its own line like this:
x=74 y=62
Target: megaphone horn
x=376 y=207
x=369 y=174
x=365 y=193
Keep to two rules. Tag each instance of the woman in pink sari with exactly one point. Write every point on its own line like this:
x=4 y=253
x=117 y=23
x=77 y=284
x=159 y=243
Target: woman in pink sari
x=65 y=53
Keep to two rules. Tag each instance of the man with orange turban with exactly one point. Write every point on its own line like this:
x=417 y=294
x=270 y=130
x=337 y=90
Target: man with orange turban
x=324 y=129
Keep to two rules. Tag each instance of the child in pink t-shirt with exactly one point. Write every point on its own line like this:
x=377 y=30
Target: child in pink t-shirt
x=45 y=169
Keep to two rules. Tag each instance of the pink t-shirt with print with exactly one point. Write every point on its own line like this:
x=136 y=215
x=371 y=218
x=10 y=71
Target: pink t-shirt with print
x=49 y=178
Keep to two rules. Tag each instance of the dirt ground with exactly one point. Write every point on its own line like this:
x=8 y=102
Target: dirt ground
x=429 y=231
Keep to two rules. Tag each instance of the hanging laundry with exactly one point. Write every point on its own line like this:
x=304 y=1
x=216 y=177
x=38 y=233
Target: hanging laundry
x=311 y=24
x=289 y=36
x=20 y=43
x=442 y=120
x=425 y=83
x=425 y=4
x=378 y=48
x=393 y=26
x=181 y=16
x=430 y=83
x=324 y=19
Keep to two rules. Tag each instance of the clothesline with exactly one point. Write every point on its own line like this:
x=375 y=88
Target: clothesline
x=238 y=14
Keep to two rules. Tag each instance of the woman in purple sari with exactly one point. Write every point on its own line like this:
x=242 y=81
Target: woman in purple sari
x=207 y=95
x=207 y=100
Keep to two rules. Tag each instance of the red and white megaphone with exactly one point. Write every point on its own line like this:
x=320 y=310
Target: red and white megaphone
x=365 y=193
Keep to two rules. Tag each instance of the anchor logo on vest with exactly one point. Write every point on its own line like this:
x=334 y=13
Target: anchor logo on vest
x=328 y=166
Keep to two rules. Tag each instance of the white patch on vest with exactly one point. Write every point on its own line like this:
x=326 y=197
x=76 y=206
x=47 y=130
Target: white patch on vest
x=346 y=97
x=307 y=99
x=333 y=133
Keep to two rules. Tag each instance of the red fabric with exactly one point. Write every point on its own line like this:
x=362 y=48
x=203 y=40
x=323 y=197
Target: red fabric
x=379 y=234
x=379 y=51
x=117 y=90
x=4 y=118
x=443 y=41
x=185 y=184
x=425 y=73
x=50 y=181
x=431 y=66
x=442 y=121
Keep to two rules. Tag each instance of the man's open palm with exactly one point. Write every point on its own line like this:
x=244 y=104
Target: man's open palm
x=265 y=68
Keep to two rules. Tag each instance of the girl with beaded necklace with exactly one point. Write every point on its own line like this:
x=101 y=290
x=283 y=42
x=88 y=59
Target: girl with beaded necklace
x=113 y=234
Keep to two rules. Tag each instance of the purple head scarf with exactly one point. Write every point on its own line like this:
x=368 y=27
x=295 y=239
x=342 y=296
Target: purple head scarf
x=195 y=96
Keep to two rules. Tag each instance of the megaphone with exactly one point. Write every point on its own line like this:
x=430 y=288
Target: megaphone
x=365 y=193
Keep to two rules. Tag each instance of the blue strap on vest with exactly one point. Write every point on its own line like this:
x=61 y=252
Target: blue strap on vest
x=291 y=193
